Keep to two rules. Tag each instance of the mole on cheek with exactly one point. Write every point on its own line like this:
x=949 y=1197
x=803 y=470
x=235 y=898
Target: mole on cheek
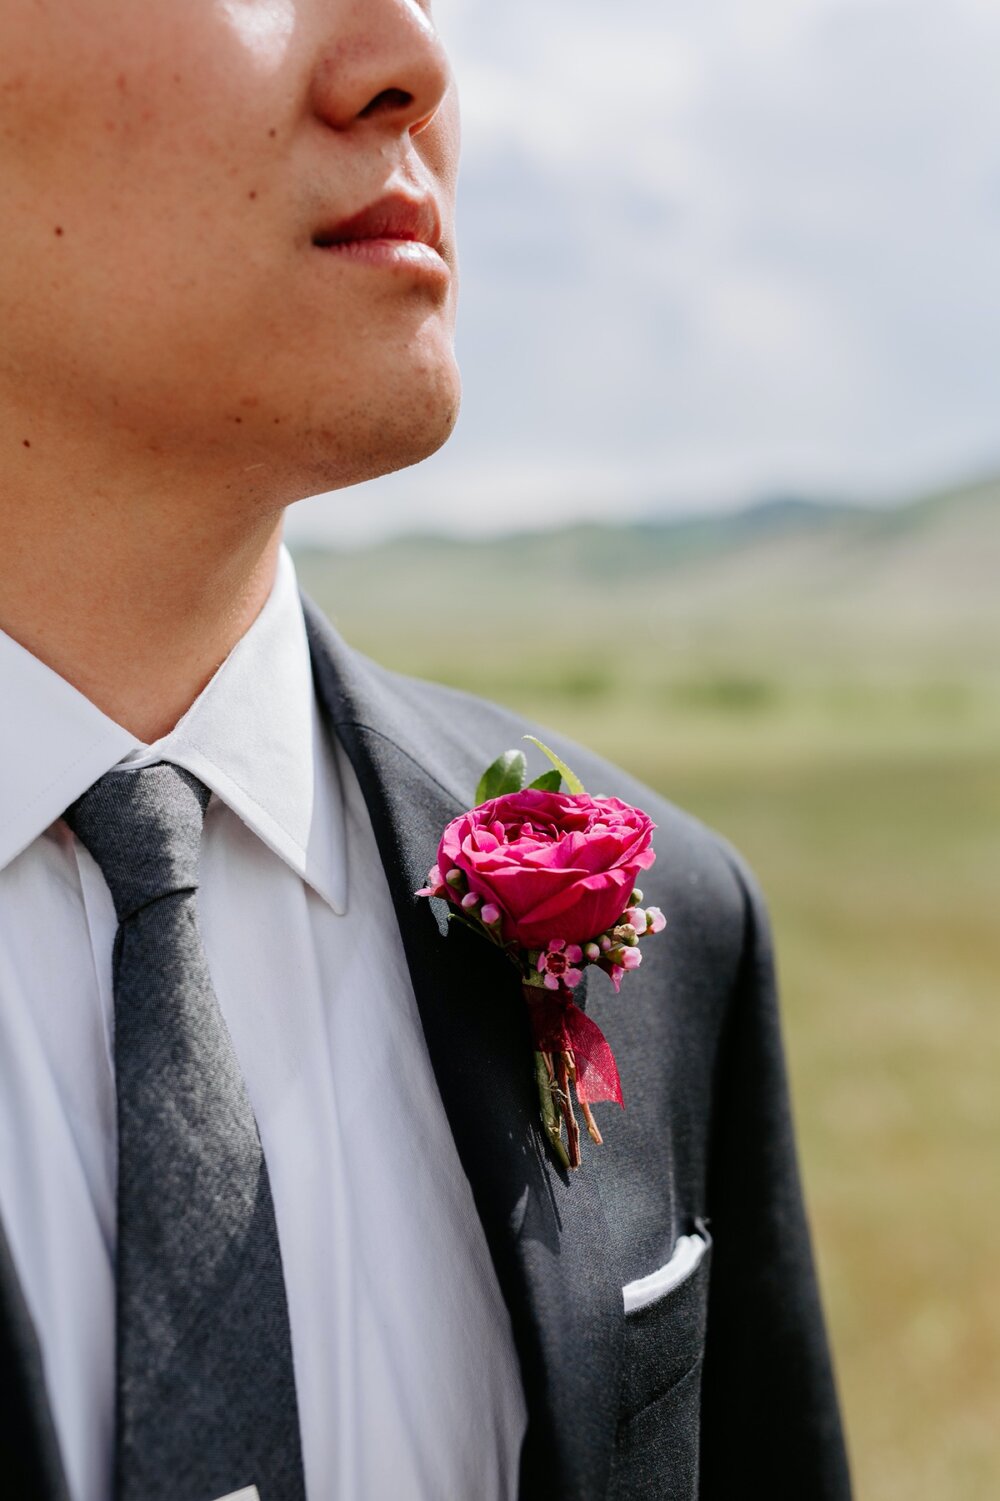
x=58 y=229
x=26 y=443
x=252 y=193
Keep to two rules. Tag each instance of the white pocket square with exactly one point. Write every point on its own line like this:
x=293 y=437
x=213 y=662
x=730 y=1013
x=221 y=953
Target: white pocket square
x=248 y=1493
x=687 y=1253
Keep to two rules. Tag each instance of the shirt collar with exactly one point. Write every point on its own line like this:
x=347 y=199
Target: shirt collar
x=253 y=735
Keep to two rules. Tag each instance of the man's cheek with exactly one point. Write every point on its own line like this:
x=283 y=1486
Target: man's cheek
x=263 y=29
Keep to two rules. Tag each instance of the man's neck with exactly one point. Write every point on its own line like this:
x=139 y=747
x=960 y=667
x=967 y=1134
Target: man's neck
x=136 y=606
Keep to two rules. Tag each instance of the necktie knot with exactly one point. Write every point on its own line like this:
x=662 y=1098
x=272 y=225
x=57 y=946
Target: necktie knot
x=144 y=830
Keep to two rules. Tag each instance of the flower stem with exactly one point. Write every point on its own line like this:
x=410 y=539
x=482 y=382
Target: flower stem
x=593 y=1132
x=595 y=1135
x=545 y=1076
x=566 y=1105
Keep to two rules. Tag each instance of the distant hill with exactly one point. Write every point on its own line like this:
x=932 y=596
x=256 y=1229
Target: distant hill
x=670 y=541
x=924 y=574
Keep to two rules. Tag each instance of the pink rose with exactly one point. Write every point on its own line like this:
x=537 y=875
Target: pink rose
x=556 y=865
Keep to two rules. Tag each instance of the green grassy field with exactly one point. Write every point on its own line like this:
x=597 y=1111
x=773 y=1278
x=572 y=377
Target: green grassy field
x=831 y=703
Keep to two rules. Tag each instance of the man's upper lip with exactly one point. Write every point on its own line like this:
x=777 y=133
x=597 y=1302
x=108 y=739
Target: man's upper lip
x=394 y=217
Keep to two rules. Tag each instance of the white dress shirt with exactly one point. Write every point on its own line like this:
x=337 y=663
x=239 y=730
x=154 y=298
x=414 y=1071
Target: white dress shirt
x=408 y=1381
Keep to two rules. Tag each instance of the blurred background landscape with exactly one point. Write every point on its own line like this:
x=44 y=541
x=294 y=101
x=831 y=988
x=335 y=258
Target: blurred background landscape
x=823 y=686
x=724 y=504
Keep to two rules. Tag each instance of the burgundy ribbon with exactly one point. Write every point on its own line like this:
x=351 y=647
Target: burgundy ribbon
x=559 y=1025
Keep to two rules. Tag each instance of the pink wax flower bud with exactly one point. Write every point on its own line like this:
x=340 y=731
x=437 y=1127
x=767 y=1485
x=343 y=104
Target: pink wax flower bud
x=635 y=900
x=631 y=958
x=490 y=915
x=470 y=899
x=592 y=951
x=657 y=921
x=558 y=963
x=455 y=878
x=605 y=942
x=637 y=917
x=569 y=977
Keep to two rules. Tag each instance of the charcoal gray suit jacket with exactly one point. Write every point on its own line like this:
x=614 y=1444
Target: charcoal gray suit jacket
x=720 y=1389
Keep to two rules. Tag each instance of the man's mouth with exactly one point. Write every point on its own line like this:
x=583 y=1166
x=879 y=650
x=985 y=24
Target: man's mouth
x=394 y=217
x=396 y=231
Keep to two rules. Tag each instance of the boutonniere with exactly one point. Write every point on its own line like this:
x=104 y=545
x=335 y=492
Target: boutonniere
x=550 y=876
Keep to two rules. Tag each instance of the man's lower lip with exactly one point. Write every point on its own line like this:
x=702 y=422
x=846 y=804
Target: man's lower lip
x=400 y=255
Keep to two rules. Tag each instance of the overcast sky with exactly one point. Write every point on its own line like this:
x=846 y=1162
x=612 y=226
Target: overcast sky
x=711 y=250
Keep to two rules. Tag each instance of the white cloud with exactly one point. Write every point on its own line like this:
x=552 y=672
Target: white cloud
x=709 y=248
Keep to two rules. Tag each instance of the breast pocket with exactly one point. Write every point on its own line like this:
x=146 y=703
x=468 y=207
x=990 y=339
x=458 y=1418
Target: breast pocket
x=656 y=1453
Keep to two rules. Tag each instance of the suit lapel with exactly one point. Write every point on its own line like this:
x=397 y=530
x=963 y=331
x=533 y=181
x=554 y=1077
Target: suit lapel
x=546 y=1229
x=30 y=1465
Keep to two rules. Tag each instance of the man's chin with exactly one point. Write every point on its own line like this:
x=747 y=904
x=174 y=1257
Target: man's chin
x=382 y=435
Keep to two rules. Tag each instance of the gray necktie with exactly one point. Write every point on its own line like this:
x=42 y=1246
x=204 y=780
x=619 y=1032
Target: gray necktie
x=205 y=1387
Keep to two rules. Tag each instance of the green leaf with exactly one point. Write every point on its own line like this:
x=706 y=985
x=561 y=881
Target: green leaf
x=507 y=774
x=572 y=781
x=549 y=781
